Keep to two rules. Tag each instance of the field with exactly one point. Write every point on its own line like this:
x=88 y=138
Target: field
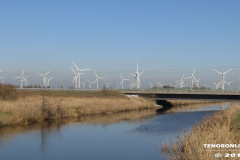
x=25 y=107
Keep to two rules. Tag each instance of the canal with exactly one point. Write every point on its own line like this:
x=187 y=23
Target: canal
x=131 y=135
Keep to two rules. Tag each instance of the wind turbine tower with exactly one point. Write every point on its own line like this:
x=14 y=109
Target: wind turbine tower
x=137 y=77
x=223 y=77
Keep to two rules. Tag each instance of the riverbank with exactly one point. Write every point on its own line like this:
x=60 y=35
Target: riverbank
x=220 y=128
x=39 y=108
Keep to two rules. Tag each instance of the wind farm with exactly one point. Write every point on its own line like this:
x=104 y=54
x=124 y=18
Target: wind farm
x=119 y=80
x=131 y=83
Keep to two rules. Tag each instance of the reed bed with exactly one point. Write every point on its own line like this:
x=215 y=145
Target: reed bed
x=38 y=108
x=220 y=128
x=187 y=102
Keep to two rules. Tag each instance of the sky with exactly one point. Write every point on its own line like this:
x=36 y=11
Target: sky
x=168 y=39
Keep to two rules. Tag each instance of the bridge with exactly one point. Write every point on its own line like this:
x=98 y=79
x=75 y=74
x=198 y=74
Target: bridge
x=205 y=96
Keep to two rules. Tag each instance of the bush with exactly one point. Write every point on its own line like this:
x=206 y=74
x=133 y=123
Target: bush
x=8 y=92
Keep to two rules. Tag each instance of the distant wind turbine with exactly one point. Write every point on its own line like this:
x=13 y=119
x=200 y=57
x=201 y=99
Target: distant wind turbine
x=122 y=80
x=22 y=79
x=137 y=77
x=98 y=78
x=44 y=78
x=79 y=70
x=223 y=77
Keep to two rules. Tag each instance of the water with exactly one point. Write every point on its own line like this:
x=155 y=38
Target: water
x=132 y=135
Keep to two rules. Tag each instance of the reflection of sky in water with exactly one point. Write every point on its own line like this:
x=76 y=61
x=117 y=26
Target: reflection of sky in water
x=138 y=139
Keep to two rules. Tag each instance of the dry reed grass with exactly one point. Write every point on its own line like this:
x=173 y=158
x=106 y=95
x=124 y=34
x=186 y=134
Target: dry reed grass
x=187 y=102
x=38 y=108
x=216 y=129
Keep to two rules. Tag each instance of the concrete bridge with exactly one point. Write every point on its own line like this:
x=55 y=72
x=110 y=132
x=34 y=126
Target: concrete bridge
x=205 y=96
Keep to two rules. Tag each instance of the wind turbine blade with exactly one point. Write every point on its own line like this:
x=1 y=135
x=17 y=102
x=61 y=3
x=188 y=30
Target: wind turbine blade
x=75 y=65
x=74 y=79
x=101 y=78
x=217 y=71
x=187 y=77
x=84 y=69
x=132 y=74
x=26 y=77
x=40 y=74
x=73 y=71
x=193 y=72
x=18 y=77
x=120 y=75
x=23 y=72
x=47 y=73
x=96 y=73
x=141 y=73
x=121 y=82
x=227 y=71
x=182 y=77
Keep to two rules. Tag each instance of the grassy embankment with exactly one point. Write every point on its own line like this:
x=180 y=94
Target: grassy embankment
x=220 y=128
x=22 y=107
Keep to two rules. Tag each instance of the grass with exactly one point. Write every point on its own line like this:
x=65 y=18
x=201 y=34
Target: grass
x=188 y=102
x=35 y=108
x=220 y=128
x=83 y=94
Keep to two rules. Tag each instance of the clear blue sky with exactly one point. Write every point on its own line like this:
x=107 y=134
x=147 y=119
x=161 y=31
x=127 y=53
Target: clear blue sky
x=167 y=39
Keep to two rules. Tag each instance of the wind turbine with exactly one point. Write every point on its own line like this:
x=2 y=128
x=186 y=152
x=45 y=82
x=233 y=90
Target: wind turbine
x=181 y=82
x=97 y=79
x=90 y=83
x=192 y=77
x=26 y=82
x=48 y=80
x=159 y=84
x=229 y=84
x=122 y=80
x=197 y=82
x=84 y=84
x=44 y=78
x=22 y=79
x=223 y=76
x=131 y=84
x=79 y=70
x=107 y=84
x=137 y=77
x=151 y=84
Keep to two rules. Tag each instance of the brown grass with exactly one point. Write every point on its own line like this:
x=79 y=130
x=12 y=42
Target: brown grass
x=187 y=102
x=216 y=129
x=38 y=108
